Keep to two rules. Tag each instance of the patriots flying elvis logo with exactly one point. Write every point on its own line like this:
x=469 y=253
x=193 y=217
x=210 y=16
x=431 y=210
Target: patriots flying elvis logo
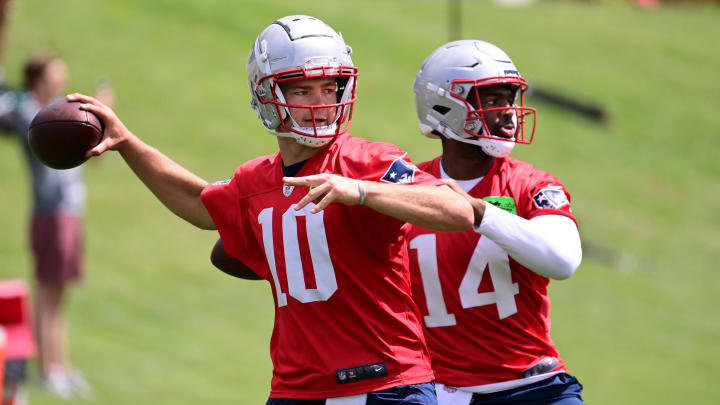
x=551 y=197
x=400 y=172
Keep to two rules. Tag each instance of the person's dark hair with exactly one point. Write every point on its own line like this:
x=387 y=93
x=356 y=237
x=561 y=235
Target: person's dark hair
x=35 y=67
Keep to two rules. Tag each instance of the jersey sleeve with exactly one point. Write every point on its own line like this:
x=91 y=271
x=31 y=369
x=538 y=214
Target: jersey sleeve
x=224 y=202
x=387 y=163
x=545 y=195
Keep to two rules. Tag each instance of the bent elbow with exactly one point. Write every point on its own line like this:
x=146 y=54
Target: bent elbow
x=565 y=267
x=207 y=225
x=563 y=273
x=202 y=223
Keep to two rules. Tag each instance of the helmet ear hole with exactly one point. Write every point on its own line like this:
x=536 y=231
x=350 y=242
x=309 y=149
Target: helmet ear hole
x=516 y=89
x=342 y=83
x=441 y=109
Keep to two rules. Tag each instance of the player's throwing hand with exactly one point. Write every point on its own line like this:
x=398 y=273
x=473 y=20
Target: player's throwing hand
x=115 y=131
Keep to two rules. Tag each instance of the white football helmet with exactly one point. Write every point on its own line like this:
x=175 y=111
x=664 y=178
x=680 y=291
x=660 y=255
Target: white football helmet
x=300 y=47
x=451 y=76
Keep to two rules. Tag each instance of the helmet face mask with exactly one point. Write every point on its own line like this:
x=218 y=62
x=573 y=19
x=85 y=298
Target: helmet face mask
x=476 y=124
x=302 y=49
x=454 y=97
x=270 y=92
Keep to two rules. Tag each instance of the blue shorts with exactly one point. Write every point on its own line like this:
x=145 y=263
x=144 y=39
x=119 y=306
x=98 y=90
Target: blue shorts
x=560 y=389
x=416 y=394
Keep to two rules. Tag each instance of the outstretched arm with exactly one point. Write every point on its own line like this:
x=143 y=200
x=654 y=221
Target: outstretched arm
x=176 y=187
x=432 y=207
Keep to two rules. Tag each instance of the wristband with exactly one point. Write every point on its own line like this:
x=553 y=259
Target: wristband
x=361 y=190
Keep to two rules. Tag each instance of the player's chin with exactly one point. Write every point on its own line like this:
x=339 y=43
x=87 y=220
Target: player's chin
x=504 y=132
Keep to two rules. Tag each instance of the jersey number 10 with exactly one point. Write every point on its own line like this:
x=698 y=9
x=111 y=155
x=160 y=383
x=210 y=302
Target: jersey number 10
x=319 y=254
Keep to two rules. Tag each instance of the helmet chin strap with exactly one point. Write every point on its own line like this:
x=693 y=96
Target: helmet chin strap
x=312 y=140
x=321 y=130
x=496 y=147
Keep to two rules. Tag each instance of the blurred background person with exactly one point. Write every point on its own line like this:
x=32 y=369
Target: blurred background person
x=56 y=225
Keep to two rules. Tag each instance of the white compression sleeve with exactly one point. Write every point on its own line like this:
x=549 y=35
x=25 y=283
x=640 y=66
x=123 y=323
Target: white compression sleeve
x=549 y=245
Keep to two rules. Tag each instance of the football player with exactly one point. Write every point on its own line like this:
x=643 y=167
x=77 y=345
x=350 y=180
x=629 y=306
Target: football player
x=321 y=221
x=483 y=292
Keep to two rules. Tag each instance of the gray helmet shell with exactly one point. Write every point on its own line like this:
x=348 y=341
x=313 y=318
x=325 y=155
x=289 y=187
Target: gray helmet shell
x=288 y=44
x=441 y=100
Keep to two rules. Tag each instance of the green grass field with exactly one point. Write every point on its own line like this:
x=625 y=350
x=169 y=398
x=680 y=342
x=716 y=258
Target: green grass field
x=153 y=323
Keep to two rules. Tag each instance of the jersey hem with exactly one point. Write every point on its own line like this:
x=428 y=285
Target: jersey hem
x=359 y=390
x=508 y=385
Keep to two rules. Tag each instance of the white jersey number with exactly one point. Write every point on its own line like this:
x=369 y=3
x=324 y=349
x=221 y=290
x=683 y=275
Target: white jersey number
x=487 y=254
x=319 y=254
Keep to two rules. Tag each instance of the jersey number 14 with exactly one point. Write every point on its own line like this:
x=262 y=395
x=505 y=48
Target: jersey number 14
x=488 y=255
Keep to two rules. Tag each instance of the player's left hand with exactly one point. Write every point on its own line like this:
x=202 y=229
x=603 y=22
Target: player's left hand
x=325 y=189
x=477 y=204
x=456 y=188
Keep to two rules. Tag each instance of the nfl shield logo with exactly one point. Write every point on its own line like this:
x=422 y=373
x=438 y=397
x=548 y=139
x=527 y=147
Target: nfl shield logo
x=287 y=190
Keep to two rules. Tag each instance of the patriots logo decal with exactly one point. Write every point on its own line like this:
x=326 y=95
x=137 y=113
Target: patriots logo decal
x=551 y=197
x=221 y=182
x=400 y=172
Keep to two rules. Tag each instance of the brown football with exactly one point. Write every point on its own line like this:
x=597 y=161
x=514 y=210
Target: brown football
x=61 y=134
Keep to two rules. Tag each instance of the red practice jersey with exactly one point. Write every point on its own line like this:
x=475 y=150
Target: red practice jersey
x=486 y=317
x=345 y=321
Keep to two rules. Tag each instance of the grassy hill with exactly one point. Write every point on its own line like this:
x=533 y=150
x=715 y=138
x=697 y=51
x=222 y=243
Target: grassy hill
x=155 y=324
